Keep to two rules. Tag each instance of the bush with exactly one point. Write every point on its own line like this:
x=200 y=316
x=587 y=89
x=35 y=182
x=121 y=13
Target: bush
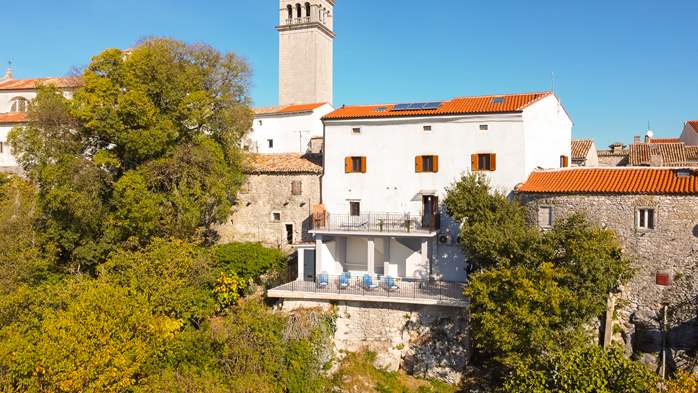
x=248 y=260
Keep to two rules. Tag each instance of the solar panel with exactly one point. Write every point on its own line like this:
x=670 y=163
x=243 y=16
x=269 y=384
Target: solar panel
x=416 y=106
x=498 y=100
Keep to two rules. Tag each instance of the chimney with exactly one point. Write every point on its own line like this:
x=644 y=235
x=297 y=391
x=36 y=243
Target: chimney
x=617 y=148
x=656 y=158
x=636 y=139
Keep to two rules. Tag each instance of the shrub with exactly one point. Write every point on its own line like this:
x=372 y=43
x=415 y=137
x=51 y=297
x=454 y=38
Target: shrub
x=248 y=260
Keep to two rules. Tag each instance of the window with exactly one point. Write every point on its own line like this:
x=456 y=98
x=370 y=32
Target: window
x=260 y=122
x=2 y=147
x=307 y=10
x=564 y=161
x=645 y=219
x=299 y=11
x=19 y=104
x=289 y=233
x=354 y=208
x=356 y=130
x=426 y=164
x=296 y=187
x=427 y=128
x=290 y=11
x=483 y=162
x=355 y=165
x=270 y=142
x=545 y=216
x=484 y=127
x=276 y=216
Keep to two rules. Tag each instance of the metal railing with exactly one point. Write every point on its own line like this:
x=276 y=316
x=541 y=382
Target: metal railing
x=373 y=222
x=402 y=288
x=298 y=21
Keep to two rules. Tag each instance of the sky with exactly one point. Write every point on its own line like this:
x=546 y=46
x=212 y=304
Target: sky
x=617 y=65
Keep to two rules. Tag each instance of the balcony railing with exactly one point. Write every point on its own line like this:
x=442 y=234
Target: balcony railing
x=374 y=222
x=298 y=21
x=382 y=289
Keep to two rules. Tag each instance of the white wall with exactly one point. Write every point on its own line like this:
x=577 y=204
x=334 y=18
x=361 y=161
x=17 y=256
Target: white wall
x=285 y=129
x=689 y=136
x=6 y=158
x=548 y=134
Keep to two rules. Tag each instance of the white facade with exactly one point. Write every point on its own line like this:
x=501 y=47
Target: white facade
x=536 y=137
x=285 y=132
x=689 y=136
x=305 y=51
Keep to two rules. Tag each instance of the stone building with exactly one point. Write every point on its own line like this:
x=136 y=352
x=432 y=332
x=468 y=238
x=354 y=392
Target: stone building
x=273 y=206
x=654 y=212
x=584 y=153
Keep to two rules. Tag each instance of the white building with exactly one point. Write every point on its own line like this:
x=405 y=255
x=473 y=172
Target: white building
x=15 y=98
x=689 y=136
x=286 y=129
x=386 y=169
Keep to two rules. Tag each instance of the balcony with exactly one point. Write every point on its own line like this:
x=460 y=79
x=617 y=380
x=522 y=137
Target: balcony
x=298 y=21
x=384 y=290
x=388 y=223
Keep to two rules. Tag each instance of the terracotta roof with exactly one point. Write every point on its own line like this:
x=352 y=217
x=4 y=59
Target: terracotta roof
x=281 y=163
x=288 y=109
x=692 y=153
x=612 y=181
x=670 y=153
x=665 y=140
x=580 y=148
x=506 y=103
x=694 y=124
x=17 y=117
x=21 y=84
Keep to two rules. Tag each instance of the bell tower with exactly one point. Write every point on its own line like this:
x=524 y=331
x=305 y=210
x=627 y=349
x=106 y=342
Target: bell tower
x=306 y=38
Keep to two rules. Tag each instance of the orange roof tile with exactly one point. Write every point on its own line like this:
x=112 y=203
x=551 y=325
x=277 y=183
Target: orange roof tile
x=506 y=103
x=665 y=140
x=670 y=153
x=281 y=163
x=694 y=124
x=692 y=153
x=285 y=109
x=23 y=84
x=580 y=148
x=612 y=181
x=17 y=117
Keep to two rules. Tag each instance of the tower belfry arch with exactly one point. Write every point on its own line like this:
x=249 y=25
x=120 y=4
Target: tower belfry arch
x=306 y=36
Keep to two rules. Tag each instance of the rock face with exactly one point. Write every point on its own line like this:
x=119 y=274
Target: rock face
x=425 y=341
x=670 y=248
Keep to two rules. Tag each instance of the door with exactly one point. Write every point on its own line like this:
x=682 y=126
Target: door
x=309 y=265
x=430 y=209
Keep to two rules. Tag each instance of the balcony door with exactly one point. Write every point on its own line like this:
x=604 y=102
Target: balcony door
x=430 y=209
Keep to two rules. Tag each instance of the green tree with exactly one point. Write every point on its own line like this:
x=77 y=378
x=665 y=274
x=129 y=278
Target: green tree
x=248 y=260
x=147 y=147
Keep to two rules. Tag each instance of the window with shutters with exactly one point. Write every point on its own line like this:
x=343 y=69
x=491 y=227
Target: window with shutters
x=297 y=187
x=354 y=208
x=483 y=162
x=545 y=216
x=645 y=219
x=427 y=164
x=564 y=161
x=355 y=164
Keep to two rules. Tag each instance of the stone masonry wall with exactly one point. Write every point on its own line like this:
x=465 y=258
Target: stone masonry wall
x=671 y=247
x=425 y=341
x=262 y=195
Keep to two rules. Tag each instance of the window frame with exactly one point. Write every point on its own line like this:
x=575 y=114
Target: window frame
x=484 y=127
x=478 y=158
x=273 y=216
x=296 y=187
x=427 y=128
x=550 y=210
x=354 y=208
x=15 y=105
x=646 y=218
x=356 y=130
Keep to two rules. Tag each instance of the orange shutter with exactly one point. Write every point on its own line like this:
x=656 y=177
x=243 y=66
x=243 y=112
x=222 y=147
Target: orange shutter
x=418 y=165
x=436 y=163
x=493 y=162
x=347 y=165
x=474 y=162
x=363 y=164
x=564 y=161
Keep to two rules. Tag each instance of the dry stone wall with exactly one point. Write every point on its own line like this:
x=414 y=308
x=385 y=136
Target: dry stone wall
x=671 y=247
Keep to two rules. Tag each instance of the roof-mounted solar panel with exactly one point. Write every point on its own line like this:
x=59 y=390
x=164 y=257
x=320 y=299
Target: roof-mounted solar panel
x=417 y=106
x=432 y=105
x=498 y=100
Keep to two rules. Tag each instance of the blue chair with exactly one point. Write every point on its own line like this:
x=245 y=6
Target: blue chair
x=344 y=280
x=323 y=280
x=368 y=282
x=390 y=283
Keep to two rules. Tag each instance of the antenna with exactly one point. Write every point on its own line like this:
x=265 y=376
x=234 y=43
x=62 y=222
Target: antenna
x=552 y=81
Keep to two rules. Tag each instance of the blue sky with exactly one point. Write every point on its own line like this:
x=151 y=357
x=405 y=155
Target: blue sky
x=618 y=64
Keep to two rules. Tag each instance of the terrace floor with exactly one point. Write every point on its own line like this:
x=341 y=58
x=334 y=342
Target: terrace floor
x=439 y=293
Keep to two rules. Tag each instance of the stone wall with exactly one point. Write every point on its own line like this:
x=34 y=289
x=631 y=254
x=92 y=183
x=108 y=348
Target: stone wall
x=671 y=247
x=252 y=217
x=425 y=341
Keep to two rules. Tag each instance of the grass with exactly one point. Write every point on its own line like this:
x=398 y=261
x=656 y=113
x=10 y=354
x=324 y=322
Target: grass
x=357 y=374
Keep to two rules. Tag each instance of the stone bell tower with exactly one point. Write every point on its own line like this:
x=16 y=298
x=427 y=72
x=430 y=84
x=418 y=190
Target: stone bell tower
x=306 y=37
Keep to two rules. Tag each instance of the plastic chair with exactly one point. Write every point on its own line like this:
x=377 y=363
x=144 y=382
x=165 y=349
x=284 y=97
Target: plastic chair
x=368 y=282
x=323 y=280
x=344 y=280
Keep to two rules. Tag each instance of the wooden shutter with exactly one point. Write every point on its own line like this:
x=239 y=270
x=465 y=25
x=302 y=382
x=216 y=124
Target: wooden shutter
x=363 y=164
x=347 y=165
x=493 y=162
x=418 y=164
x=474 y=163
x=435 y=163
x=564 y=161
